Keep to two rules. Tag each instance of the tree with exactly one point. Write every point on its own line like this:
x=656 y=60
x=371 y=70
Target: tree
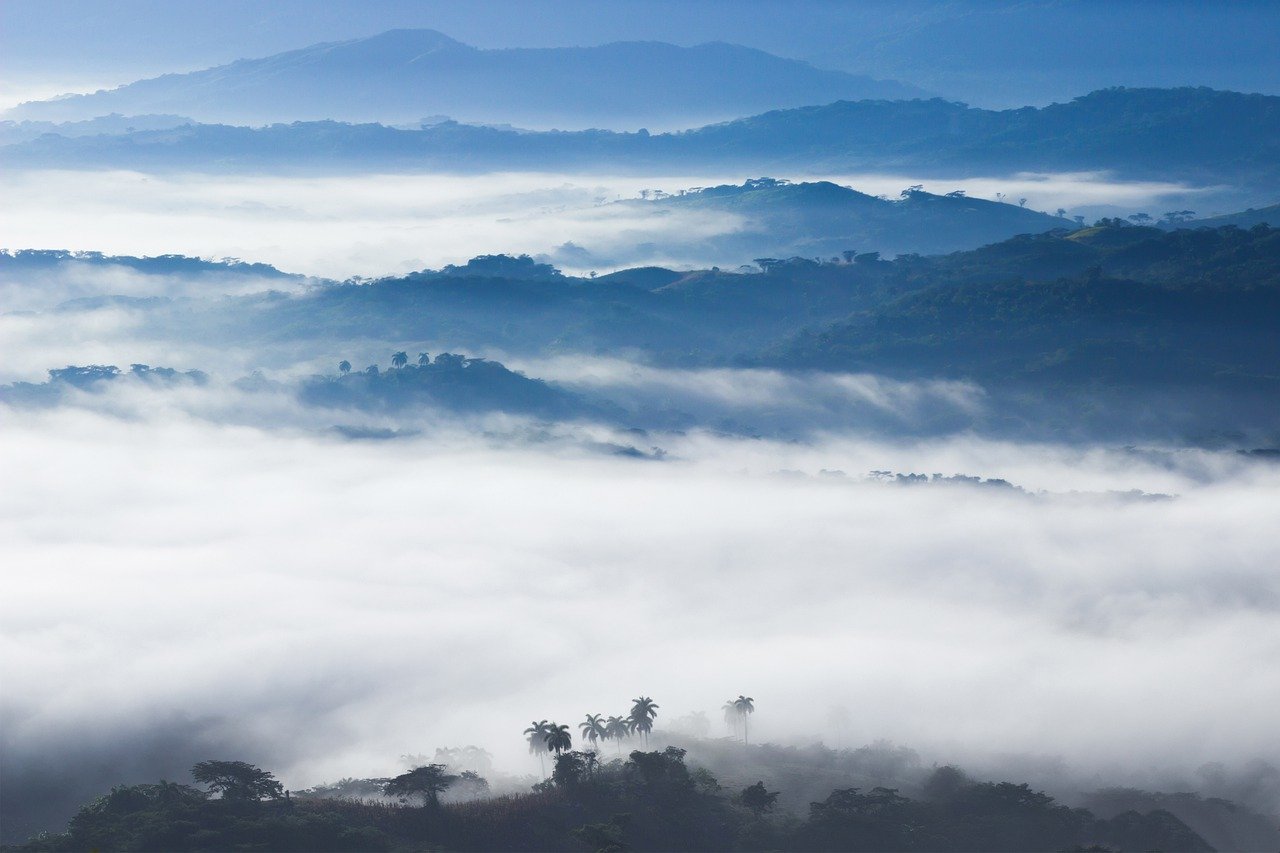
x=745 y=706
x=1140 y=219
x=732 y=718
x=643 y=712
x=537 y=735
x=570 y=768
x=238 y=781
x=617 y=728
x=344 y=367
x=593 y=729
x=427 y=782
x=757 y=799
x=399 y=359
x=424 y=359
x=558 y=738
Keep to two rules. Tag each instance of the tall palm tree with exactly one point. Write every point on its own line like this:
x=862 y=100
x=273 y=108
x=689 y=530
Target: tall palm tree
x=732 y=717
x=423 y=359
x=558 y=738
x=617 y=728
x=643 y=712
x=537 y=735
x=399 y=359
x=746 y=706
x=593 y=729
x=344 y=367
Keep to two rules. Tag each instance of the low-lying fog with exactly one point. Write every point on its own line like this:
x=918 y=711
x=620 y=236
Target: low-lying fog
x=213 y=572
x=375 y=225
x=179 y=588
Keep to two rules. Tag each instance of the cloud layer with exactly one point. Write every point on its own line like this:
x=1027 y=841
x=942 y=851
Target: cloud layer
x=324 y=606
x=373 y=225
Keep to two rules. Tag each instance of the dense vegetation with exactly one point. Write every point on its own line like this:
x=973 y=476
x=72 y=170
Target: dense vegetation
x=650 y=801
x=1118 y=329
x=1113 y=304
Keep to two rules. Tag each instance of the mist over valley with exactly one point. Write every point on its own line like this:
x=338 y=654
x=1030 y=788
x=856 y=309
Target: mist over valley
x=402 y=448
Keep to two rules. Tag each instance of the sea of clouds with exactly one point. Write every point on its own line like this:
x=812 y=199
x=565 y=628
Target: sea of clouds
x=375 y=225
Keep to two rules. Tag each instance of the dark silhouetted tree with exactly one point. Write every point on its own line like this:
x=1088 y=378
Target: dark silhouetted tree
x=643 y=712
x=537 y=735
x=238 y=781
x=756 y=799
x=617 y=729
x=427 y=782
x=558 y=738
x=745 y=706
x=399 y=359
x=344 y=367
x=593 y=729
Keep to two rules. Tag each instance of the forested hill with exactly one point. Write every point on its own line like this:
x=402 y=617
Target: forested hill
x=28 y=261
x=822 y=219
x=1200 y=136
x=1114 y=304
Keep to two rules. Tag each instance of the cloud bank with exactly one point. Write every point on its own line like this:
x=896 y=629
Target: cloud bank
x=178 y=586
x=374 y=225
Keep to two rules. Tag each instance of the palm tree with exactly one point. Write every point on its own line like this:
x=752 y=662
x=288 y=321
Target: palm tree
x=344 y=367
x=616 y=728
x=423 y=359
x=746 y=706
x=537 y=735
x=593 y=729
x=732 y=717
x=558 y=738
x=643 y=712
x=399 y=359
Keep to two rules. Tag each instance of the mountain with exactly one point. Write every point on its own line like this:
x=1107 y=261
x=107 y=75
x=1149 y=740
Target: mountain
x=1198 y=136
x=1130 y=332
x=407 y=75
x=1110 y=306
x=822 y=219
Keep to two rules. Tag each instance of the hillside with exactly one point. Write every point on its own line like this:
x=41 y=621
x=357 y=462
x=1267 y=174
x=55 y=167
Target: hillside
x=650 y=801
x=406 y=75
x=822 y=219
x=1198 y=136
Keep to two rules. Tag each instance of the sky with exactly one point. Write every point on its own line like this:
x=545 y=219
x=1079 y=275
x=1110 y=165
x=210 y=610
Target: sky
x=990 y=54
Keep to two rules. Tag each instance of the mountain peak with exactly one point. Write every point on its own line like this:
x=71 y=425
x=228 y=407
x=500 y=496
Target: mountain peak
x=422 y=39
x=400 y=75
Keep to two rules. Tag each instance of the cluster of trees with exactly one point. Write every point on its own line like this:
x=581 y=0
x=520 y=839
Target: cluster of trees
x=400 y=361
x=448 y=380
x=549 y=737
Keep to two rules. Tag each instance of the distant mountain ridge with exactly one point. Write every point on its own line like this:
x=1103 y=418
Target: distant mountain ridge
x=403 y=76
x=1198 y=136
